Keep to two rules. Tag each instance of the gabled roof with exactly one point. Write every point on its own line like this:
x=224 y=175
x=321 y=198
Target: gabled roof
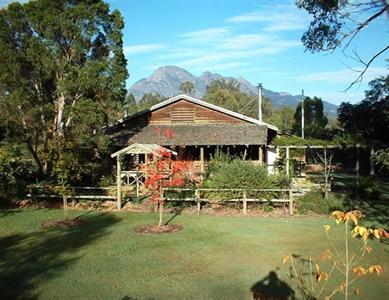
x=142 y=149
x=202 y=103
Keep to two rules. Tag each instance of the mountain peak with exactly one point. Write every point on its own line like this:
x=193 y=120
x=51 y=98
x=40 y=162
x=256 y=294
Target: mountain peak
x=167 y=80
x=172 y=71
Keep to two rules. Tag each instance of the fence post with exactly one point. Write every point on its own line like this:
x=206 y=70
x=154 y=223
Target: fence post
x=197 y=196
x=287 y=161
x=244 y=203
x=118 y=183
x=31 y=195
x=65 y=202
x=291 y=202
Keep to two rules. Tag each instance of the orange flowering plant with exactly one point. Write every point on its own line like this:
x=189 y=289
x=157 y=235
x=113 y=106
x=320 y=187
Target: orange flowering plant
x=313 y=282
x=163 y=172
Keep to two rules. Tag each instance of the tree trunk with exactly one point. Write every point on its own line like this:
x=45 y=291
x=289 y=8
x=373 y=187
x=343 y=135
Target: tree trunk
x=160 y=214
x=60 y=115
x=41 y=166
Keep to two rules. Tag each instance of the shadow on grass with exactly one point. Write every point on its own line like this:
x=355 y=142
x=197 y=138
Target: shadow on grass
x=29 y=259
x=271 y=287
x=177 y=211
x=9 y=212
x=371 y=197
x=134 y=298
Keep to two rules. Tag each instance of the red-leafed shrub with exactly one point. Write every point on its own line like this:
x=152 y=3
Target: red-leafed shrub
x=163 y=172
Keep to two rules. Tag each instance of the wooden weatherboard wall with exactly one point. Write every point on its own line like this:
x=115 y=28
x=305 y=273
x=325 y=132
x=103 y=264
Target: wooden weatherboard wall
x=184 y=111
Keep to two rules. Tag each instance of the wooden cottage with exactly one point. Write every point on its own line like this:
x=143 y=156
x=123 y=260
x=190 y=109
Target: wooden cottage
x=195 y=130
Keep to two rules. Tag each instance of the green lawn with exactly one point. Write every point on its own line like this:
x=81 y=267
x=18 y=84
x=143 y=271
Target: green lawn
x=211 y=258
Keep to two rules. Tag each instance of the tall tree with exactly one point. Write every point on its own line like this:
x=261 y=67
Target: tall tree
x=283 y=118
x=368 y=119
x=148 y=100
x=187 y=87
x=227 y=94
x=315 y=121
x=337 y=23
x=62 y=77
x=131 y=106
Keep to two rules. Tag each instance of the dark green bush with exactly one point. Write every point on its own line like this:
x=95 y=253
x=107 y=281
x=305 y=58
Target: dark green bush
x=315 y=202
x=368 y=189
x=227 y=173
x=14 y=172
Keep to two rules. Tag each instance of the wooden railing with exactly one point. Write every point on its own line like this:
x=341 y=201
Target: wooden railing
x=199 y=199
x=74 y=193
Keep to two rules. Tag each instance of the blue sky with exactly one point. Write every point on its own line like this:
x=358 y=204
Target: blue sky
x=258 y=40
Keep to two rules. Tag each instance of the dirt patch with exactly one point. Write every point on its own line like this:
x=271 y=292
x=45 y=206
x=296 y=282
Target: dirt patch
x=154 y=229
x=28 y=203
x=65 y=223
x=230 y=211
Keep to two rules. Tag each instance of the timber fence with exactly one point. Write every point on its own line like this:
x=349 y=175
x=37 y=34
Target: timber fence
x=244 y=196
x=73 y=193
x=198 y=196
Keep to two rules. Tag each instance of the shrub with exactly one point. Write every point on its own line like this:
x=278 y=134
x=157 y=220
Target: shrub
x=315 y=202
x=14 y=171
x=367 y=188
x=227 y=173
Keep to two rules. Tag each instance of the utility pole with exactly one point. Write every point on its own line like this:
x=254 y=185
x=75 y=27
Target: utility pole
x=302 y=114
x=260 y=101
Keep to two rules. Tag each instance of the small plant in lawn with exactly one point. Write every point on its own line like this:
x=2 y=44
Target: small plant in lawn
x=311 y=278
x=163 y=172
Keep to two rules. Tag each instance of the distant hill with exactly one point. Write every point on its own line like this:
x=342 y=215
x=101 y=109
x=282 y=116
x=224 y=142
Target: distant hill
x=166 y=81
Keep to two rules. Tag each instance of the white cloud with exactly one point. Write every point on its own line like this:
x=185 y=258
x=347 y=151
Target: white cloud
x=205 y=35
x=247 y=41
x=229 y=47
x=281 y=17
x=341 y=76
x=139 y=49
x=222 y=66
x=217 y=46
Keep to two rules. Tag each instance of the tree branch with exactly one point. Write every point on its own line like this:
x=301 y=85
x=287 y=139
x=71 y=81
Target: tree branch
x=367 y=65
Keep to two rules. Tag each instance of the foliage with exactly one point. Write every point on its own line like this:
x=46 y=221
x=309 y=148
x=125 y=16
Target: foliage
x=131 y=106
x=382 y=157
x=337 y=24
x=148 y=100
x=62 y=77
x=293 y=140
x=227 y=173
x=187 y=87
x=367 y=189
x=283 y=118
x=366 y=122
x=311 y=278
x=227 y=94
x=314 y=201
x=14 y=170
x=315 y=121
x=162 y=172
x=369 y=118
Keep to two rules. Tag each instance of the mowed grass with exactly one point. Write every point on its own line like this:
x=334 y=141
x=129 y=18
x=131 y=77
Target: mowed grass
x=211 y=258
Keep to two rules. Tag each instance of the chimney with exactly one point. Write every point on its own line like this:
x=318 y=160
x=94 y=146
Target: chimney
x=260 y=88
